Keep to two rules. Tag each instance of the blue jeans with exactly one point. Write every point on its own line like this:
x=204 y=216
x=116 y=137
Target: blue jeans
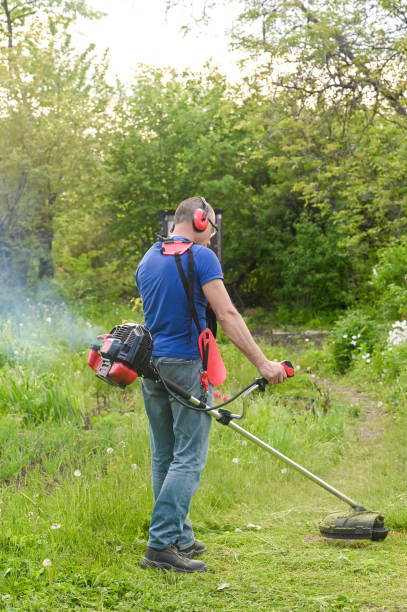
x=179 y=440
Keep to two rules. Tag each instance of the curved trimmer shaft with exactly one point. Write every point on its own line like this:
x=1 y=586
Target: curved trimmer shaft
x=358 y=524
x=220 y=416
x=289 y=461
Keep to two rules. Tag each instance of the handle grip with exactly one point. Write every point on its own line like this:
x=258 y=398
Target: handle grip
x=288 y=367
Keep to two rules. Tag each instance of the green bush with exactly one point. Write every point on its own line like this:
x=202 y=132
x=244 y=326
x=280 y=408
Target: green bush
x=316 y=267
x=356 y=333
x=388 y=281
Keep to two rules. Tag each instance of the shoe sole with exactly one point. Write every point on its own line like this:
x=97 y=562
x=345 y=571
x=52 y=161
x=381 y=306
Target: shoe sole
x=167 y=566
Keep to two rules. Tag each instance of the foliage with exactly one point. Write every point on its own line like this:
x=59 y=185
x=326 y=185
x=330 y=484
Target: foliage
x=52 y=108
x=356 y=333
x=307 y=164
x=179 y=135
x=332 y=50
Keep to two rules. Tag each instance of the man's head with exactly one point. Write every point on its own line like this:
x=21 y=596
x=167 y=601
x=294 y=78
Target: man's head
x=195 y=219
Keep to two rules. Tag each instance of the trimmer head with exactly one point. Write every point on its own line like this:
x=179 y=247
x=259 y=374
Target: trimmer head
x=357 y=524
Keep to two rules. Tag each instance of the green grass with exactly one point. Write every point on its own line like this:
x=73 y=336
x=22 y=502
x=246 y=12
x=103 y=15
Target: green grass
x=75 y=488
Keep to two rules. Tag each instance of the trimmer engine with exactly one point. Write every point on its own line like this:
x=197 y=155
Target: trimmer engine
x=124 y=354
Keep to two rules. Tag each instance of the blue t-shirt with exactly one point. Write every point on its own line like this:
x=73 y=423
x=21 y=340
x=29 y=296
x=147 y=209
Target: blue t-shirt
x=165 y=304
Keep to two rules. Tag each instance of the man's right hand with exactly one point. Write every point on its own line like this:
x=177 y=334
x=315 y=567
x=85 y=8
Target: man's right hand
x=273 y=371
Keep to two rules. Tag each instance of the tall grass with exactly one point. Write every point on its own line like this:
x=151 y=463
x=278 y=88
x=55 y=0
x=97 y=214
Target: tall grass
x=75 y=477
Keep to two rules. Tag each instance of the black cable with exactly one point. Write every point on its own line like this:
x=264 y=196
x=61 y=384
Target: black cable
x=178 y=399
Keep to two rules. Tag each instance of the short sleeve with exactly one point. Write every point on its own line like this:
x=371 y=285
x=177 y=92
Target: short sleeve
x=207 y=265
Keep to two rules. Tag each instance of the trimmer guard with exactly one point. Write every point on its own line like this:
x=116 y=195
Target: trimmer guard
x=358 y=524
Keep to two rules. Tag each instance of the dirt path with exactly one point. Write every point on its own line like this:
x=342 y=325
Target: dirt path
x=291 y=338
x=373 y=420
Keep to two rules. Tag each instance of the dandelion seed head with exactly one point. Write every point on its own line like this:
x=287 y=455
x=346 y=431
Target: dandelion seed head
x=47 y=563
x=110 y=450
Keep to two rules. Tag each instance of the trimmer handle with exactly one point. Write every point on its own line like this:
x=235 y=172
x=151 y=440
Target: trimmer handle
x=288 y=367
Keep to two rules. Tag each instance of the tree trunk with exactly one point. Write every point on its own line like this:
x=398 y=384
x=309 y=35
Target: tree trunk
x=9 y=23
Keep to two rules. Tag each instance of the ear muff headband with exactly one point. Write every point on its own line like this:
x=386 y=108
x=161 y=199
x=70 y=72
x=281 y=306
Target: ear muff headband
x=200 y=218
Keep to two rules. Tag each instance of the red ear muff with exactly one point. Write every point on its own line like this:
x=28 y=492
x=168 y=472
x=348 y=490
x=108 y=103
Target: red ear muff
x=200 y=220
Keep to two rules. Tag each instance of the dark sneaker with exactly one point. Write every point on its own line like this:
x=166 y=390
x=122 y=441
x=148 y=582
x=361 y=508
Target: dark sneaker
x=198 y=548
x=171 y=559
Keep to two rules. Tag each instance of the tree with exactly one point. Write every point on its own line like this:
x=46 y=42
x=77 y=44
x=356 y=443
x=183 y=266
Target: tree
x=180 y=135
x=53 y=111
x=17 y=16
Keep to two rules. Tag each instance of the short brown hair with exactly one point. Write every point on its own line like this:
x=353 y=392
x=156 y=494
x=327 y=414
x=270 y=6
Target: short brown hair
x=186 y=209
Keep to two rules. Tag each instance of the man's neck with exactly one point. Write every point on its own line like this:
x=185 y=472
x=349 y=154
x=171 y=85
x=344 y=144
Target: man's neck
x=185 y=230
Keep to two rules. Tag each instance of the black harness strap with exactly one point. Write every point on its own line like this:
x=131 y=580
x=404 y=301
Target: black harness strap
x=189 y=285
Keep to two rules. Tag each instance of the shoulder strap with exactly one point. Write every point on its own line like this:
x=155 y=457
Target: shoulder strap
x=189 y=285
x=171 y=247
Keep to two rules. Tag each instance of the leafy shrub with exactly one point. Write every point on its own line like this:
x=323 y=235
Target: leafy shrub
x=356 y=333
x=389 y=278
x=316 y=267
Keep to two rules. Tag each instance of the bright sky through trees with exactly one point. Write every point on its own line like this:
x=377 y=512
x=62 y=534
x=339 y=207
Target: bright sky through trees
x=140 y=31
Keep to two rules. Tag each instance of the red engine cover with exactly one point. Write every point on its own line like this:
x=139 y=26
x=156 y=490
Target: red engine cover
x=94 y=359
x=121 y=374
x=117 y=372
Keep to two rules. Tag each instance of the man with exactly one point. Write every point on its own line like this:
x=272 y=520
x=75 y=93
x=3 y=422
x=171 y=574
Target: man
x=180 y=436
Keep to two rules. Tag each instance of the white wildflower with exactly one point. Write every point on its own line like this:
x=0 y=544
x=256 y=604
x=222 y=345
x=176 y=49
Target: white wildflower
x=284 y=470
x=397 y=334
x=122 y=443
x=31 y=514
x=134 y=466
x=47 y=563
x=110 y=450
x=345 y=336
x=56 y=526
x=49 y=319
x=77 y=473
x=235 y=460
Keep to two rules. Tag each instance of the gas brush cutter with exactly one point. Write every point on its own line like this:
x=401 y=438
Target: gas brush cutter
x=125 y=353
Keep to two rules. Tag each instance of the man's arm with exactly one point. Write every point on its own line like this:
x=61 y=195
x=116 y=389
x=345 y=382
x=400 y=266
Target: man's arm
x=236 y=330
